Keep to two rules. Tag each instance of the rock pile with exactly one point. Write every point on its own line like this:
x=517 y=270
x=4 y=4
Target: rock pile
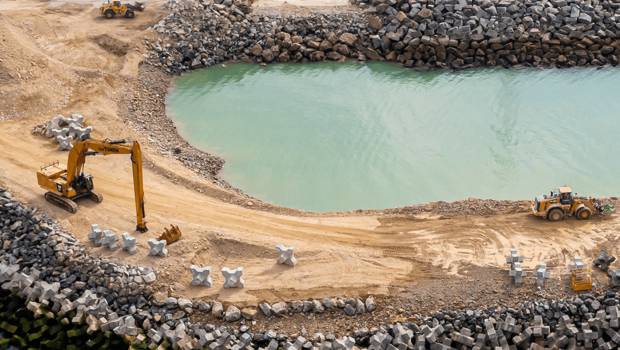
x=438 y=33
x=64 y=130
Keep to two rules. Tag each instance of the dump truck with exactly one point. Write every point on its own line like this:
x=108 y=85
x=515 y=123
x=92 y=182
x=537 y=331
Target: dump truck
x=561 y=203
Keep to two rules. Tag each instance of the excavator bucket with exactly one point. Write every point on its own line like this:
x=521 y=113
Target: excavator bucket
x=171 y=235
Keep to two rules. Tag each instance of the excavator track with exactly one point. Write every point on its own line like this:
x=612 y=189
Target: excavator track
x=96 y=197
x=62 y=202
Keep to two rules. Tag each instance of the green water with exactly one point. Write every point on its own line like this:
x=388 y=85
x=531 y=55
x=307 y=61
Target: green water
x=335 y=136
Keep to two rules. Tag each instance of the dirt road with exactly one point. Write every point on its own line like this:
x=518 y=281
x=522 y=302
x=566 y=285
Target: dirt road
x=60 y=59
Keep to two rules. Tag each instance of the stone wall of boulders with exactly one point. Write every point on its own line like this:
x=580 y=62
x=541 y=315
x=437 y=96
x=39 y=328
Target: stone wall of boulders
x=426 y=33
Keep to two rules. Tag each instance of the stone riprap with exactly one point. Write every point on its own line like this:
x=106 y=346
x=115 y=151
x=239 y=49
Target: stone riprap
x=442 y=34
x=49 y=269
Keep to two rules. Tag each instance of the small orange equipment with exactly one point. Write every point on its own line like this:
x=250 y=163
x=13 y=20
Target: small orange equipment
x=170 y=235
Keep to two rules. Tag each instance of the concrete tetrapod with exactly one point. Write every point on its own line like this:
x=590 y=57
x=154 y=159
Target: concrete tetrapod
x=201 y=276
x=541 y=275
x=66 y=129
x=157 y=248
x=95 y=235
x=513 y=257
x=614 y=278
x=233 y=278
x=517 y=273
x=286 y=255
x=109 y=239
x=129 y=243
x=603 y=260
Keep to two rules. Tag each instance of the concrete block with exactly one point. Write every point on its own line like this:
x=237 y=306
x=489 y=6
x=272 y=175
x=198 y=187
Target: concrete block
x=603 y=260
x=7 y=272
x=64 y=142
x=233 y=278
x=76 y=118
x=66 y=129
x=53 y=124
x=80 y=133
x=517 y=273
x=201 y=276
x=614 y=278
x=379 y=341
x=109 y=239
x=44 y=291
x=127 y=327
x=286 y=255
x=95 y=235
x=577 y=264
x=129 y=243
x=157 y=248
x=541 y=275
x=344 y=343
x=514 y=257
x=403 y=337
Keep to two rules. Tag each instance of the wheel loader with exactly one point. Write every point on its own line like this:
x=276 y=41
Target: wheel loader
x=66 y=185
x=561 y=203
x=113 y=8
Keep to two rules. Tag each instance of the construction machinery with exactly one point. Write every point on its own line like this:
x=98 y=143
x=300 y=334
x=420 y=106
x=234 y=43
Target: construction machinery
x=113 y=8
x=170 y=235
x=580 y=276
x=65 y=186
x=561 y=203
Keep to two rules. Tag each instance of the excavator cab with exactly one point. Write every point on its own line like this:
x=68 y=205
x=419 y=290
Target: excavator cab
x=566 y=195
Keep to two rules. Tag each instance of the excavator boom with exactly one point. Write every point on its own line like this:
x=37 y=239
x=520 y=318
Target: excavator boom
x=67 y=185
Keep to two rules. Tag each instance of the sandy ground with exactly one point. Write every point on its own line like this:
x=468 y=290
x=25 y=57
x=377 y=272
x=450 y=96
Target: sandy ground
x=59 y=59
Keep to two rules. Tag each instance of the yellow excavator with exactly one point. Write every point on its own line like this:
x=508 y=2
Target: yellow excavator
x=65 y=186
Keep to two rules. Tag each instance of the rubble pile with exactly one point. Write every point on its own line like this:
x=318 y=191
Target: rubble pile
x=440 y=33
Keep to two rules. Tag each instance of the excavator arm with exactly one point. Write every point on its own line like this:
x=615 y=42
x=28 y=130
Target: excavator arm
x=77 y=158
